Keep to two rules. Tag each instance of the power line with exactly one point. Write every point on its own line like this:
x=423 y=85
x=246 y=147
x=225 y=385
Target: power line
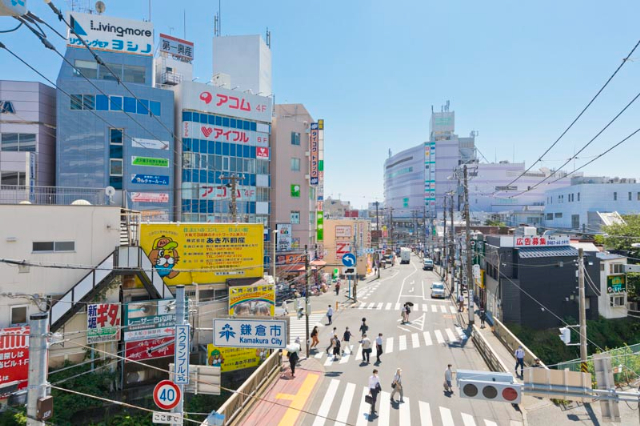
x=579 y=115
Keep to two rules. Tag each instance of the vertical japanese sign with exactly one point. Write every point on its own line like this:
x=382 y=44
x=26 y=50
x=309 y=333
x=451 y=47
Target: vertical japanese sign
x=181 y=359
x=319 y=225
x=314 y=158
x=103 y=323
x=14 y=356
x=430 y=176
x=283 y=236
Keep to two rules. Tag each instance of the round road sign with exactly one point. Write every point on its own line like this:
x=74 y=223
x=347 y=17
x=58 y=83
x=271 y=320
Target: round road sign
x=166 y=394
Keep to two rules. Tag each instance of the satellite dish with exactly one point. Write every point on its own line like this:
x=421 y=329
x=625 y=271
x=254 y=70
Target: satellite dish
x=100 y=7
x=110 y=191
x=81 y=203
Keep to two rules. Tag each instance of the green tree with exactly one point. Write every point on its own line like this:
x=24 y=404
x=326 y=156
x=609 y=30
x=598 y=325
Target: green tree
x=492 y=222
x=620 y=236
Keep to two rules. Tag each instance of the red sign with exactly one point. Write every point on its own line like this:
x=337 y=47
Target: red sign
x=342 y=249
x=166 y=395
x=262 y=152
x=149 y=349
x=290 y=259
x=14 y=356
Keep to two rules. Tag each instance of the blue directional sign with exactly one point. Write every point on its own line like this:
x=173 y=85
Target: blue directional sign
x=150 y=179
x=349 y=259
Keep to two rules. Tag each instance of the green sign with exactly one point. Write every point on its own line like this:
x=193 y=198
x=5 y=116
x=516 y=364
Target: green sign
x=405 y=202
x=616 y=284
x=149 y=161
x=295 y=191
x=320 y=225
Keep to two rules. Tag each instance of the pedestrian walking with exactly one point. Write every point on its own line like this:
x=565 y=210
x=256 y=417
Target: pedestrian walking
x=293 y=359
x=345 y=338
x=397 y=385
x=337 y=288
x=519 y=360
x=448 y=374
x=314 y=337
x=403 y=314
x=331 y=344
x=363 y=328
x=378 y=347
x=366 y=349
x=483 y=317
x=374 y=389
x=329 y=314
x=336 y=347
x=406 y=310
x=460 y=303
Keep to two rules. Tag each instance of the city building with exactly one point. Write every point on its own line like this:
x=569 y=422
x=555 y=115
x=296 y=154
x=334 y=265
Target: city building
x=27 y=137
x=115 y=129
x=336 y=208
x=590 y=202
x=342 y=236
x=246 y=59
x=293 y=198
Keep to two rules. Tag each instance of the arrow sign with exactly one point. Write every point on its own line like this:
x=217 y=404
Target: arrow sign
x=349 y=259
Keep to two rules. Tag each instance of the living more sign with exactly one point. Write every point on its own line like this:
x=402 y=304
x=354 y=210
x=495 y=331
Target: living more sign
x=616 y=284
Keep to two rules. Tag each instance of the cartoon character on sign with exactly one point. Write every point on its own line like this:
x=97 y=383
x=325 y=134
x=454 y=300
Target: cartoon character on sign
x=215 y=358
x=164 y=256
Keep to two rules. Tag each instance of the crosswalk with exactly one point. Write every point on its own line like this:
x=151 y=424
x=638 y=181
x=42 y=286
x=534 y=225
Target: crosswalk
x=298 y=327
x=353 y=350
x=417 y=307
x=340 y=404
x=364 y=293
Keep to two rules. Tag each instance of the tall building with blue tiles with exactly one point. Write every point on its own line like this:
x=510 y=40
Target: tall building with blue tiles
x=111 y=133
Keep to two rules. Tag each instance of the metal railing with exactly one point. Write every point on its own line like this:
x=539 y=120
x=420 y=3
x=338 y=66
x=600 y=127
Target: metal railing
x=487 y=352
x=624 y=360
x=512 y=342
x=234 y=406
x=50 y=195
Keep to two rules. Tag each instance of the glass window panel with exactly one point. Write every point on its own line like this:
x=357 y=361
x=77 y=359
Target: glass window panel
x=106 y=75
x=115 y=103
x=102 y=103
x=204 y=161
x=12 y=178
x=43 y=246
x=88 y=102
x=143 y=106
x=115 y=181
x=134 y=74
x=115 y=167
x=225 y=164
x=64 y=246
x=186 y=116
x=203 y=118
x=232 y=164
x=115 y=136
x=19 y=314
x=88 y=69
x=217 y=162
x=225 y=121
x=115 y=151
x=76 y=102
x=130 y=105
x=233 y=123
x=295 y=164
x=10 y=142
x=218 y=120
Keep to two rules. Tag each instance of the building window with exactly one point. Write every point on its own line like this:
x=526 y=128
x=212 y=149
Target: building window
x=558 y=215
x=19 y=314
x=53 y=246
x=616 y=268
x=86 y=69
x=629 y=196
x=134 y=74
x=262 y=194
x=578 y=196
x=575 y=221
x=82 y=102
x=601 y=267
x=115 y=103
x=295 y=217
x=13 y=178
x=615 y=196
x=295 y=164
x=262 y=167
x=295 y=138
x=115 y=167
x=549 y=216
x=23 y=142
x=116 y=136
x=616 y=301
x=105 y=74
x=76 y=102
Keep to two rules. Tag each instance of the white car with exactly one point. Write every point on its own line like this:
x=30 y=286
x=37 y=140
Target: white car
x=437 y=290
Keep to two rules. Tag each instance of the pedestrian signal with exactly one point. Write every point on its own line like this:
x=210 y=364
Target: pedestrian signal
x=490 y=391
x=565 y=335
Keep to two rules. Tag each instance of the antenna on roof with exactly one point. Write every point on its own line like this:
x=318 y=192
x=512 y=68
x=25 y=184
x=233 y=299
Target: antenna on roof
x=268 y=38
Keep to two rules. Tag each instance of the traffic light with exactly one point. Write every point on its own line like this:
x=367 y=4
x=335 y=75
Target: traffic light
x=565 y=335
x=490 y=391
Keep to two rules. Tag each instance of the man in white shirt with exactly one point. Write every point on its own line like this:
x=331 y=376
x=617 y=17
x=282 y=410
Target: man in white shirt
x=329 y=314
x=366 y=348
x=519 y=360
x=374 y=389
x=378 y=347
x=448 y=374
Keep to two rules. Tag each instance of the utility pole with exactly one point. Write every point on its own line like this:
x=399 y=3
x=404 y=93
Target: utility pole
x=306 y=295
x=468 y=245
x=379 y=238
x=391 y=228
x=181 y=309
x=452 y=252
x=583 y=313
x=355 y=251
x=274 y=234
x=38 y=367
x=233 y=206
x=445 y=250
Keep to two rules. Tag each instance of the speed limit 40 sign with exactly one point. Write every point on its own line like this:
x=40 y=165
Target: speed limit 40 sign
x=166 y=395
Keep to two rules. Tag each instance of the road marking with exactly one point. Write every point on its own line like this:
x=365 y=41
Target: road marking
x=447 y=420
x=380 y=305
x=363 y=411
x=439 y=337
x=326 y=403
x=389 y=345
x=328 y=361
x=443 y=309
x=298 y=400
x=397 y=306
x=415 y=308
x=452 y=337
x=468 y=419
x=453 y=309
x=385 y=408
x=415 y=340
x=371 y=305
x=404 y=329
x=427 y=339
x=319 y=355
x=461 y=333
x=405 y=280
x=434 y=308
x=362 y=305
x=345 y=358
x=403 y=343
x=412 y=289
x=490 y=423
x=405 y=412
x=511 y=423
x=425 y=307
x=388 y=308
x=343 y=413
x=425 y=414
x=359 y=354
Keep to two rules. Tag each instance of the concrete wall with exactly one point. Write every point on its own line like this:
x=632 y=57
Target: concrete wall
x=247 y=59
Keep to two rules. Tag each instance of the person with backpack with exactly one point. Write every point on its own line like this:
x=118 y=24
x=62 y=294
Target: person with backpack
x=364 y=328
x=293 y=359
x=406 y=311
x=345 y=338
x=336 y=347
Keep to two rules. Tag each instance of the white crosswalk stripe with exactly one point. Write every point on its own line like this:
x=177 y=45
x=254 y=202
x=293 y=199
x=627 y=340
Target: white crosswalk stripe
x=425 y=307
x=371 y=305
x=397 y=306
x=363 y=411
x=343 y=413
x=468 y=420
x=415 y=340
x=461 y=333
x=443 y=309
x=447 y=419
x=405 y=412
x=359 y=353
x=403 y=343
x=490 y=423
x=450 y=335
x=380 y=305
x=434 y=308
x=326 y=402
x=389 y=347
x=511 y=423
x=425 y=414
x=385 y=408
x=439 y=337
x=345 y=358
x=427 y=339
x=298 y=327
x=388 y=308
x=415 y=308
x=453 y=309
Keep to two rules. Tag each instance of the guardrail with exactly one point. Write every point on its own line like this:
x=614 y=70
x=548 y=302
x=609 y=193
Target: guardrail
x=234 y=406
x=486 y=351
x=512 y=342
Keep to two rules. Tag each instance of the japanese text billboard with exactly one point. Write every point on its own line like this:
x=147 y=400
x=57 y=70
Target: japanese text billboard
x=176 y=47
x=534 y=241
x=249 y=333
x=149 y=349
x=149 y=319
x=226 y=134
x=14 y=356
x=283 y=236
x=103 y=323
x=204 y=253
x=218 y=100
x=616 y=284
x=258 y=299
x=111 y=34
x=314 y=157
x=231 y=359
x=221 y=192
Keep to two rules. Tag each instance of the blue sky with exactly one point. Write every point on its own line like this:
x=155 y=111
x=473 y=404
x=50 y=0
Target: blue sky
x=516 y=72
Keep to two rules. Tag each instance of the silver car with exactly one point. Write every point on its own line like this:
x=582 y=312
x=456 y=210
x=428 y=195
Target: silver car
x=437 y=290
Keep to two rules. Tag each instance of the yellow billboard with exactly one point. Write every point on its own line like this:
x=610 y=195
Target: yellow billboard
x=230 y=359
x=204 y=253
x=258 y=299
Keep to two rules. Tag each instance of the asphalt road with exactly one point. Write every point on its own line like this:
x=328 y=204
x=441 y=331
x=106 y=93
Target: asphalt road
x=422 y=349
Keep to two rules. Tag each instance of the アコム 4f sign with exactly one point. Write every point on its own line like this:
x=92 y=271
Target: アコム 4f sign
x=166 y=395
